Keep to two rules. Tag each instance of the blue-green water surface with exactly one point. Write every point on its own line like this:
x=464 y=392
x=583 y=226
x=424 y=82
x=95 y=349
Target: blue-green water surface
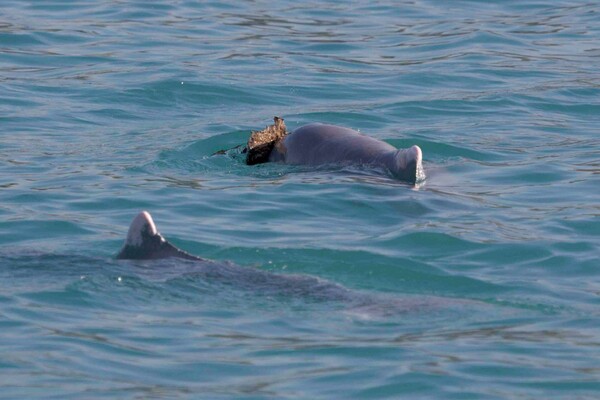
x=334 y=282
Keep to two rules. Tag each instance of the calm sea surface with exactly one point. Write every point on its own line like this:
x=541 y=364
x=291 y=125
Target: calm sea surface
x=331 y=283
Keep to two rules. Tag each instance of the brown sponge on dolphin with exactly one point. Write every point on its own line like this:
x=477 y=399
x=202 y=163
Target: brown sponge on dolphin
x=261 y=143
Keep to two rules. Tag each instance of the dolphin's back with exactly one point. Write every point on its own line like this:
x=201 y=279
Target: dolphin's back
x=316 y=144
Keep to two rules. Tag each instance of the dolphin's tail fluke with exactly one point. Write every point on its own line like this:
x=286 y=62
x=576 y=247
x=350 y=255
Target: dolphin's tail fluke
x=144 y=242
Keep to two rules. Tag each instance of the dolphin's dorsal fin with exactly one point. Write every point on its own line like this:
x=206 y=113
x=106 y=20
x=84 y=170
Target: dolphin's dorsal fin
x=142 y=227
x=144 y=242
x=407 y=165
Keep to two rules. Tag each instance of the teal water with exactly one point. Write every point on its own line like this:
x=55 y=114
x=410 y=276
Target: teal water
x=481 y=283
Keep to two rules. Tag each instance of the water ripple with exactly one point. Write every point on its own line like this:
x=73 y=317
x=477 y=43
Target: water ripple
x=107 y=108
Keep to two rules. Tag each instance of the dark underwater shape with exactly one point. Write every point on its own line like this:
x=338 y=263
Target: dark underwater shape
x=144 y=242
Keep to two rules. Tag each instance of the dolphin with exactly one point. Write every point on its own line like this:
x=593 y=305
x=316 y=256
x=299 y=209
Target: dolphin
x=144 y=242
x=321 y=144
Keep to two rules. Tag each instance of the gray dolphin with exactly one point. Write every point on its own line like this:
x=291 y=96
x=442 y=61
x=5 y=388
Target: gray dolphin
x=319 y=144
x=144 y=242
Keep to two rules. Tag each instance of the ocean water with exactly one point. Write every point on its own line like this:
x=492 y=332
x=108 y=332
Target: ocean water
x=335 y=282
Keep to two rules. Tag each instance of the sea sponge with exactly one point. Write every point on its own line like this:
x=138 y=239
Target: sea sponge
x=261 y=143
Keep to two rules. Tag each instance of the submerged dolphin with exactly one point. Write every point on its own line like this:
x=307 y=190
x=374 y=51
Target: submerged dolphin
x=319 y=144
x=144 y=242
